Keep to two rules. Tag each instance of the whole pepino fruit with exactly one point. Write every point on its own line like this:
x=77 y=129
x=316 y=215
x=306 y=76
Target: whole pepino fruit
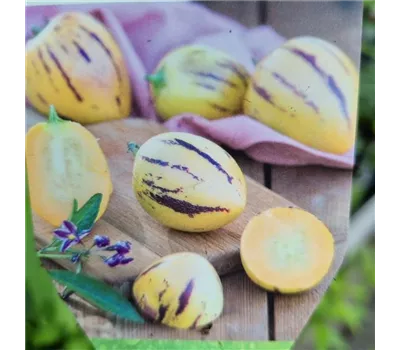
x=180 y=290
x=74 y=64
x=187 y=182
x=200 y=80
x=308 y=90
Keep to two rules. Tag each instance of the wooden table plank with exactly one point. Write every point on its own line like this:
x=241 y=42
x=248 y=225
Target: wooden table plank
x=323 y=191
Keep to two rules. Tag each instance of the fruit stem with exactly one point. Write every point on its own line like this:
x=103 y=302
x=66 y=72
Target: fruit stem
x=133 y=148
x=53 y=116
x=36 y=30
x=157 y=80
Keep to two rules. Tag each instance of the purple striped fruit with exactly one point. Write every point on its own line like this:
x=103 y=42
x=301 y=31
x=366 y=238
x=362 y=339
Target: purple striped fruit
x=198 y=79
x=308 y=90
x=187 y=182
x=74 y=64
x=181 y=290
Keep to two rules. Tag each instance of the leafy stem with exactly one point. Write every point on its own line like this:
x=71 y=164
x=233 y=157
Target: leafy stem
x=67 y=255
x=71 y=233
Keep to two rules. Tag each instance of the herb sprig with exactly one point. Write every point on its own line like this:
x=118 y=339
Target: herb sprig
x=68 y=243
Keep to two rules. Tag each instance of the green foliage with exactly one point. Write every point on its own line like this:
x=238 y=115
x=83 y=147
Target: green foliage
x=344 y=307
x=49 y=324
x=85 y=217
x=364 y=174
x=97 y=293
x=121 y=344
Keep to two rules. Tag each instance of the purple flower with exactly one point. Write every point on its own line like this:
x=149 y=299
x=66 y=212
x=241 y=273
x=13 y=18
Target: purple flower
x=67 y=230
x=68 y=234
x=117 y=259
x=121 y=247
x=101 y=241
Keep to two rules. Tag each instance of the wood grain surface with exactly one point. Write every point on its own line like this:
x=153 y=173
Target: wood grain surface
x=126 y=220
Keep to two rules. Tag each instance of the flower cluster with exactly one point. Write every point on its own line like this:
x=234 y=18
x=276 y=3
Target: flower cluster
x=69 y=236
x=120 y=248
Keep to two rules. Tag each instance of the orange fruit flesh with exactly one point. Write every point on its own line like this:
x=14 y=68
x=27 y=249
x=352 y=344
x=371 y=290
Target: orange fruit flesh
x=287 y=250
x=64 y=163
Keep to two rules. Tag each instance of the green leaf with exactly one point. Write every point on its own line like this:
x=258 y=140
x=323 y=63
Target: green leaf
x=98 y=294
x=85 y=217
x=74 y=209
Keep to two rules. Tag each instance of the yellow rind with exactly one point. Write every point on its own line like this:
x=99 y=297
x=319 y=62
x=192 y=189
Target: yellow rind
x=313 y=103
x=200 y=80
x=75 y=64
x=181 y=290
x=184 y=190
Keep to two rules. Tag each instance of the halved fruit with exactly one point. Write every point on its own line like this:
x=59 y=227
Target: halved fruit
x=286 y=250
x=64 y=162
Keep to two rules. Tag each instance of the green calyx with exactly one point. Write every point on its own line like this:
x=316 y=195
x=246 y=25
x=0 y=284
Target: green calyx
x=157 y=80
x=53 y=116
x=133 y=148
x=36 y=30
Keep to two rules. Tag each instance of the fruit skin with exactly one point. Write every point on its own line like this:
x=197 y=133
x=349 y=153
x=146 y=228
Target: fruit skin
x=268 y=243
x=308 y=90
x=200 y=80
x=75 y=65
x=181 y=290
x=188 y=183
x=64 y=162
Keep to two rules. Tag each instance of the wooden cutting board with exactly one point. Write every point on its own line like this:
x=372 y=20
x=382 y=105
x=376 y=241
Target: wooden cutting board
x=126 y=220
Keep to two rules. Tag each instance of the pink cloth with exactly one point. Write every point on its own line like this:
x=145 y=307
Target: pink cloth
x=147 y=31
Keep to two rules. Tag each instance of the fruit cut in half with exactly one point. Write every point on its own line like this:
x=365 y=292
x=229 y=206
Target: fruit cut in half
x=286 y=250
x=64 y=162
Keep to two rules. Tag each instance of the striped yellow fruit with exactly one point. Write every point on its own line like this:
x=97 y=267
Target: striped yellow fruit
x=187 y=182
x=307 y=89
x=74 y=64
x=200 y=80
x=181 y=290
